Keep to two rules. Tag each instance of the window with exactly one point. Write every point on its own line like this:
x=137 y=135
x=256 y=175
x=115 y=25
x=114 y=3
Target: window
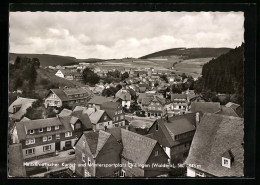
x=57 y=127
x=30 y=141
x=105 y=117
x=57 y=136
x=84 y=144
x=123 y=173
x=156 y=127
x=225 y=162
x=48 y=128
x=49 y=138
x=46 y=148
x=40 y=129
x=68 y=134
x=89 y=161
x=156 y=153
x=30 y=151
x=121 y=117
x=83 y=157
x=31 y=131
x=44 y=138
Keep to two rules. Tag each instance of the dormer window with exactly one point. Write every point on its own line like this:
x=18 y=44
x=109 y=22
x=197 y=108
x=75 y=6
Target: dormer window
x=31 y=131
x=48 y=128
x=227 y=159
x=57 y=127
x=40 y=129
x=226 y=162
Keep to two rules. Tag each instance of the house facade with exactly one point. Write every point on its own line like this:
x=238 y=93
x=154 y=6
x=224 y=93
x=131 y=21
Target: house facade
x=125 y=97
x=175 y=135
x=156 y=107
x=179 y=103
x=101 y=120
x=100 y=148
x=115 y=112
x=71 y=96
x=43 y=137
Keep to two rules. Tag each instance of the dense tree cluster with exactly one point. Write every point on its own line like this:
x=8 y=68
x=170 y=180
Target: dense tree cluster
x=23 y=74
x=224 y=75
x=38 y=111
x=90 y=77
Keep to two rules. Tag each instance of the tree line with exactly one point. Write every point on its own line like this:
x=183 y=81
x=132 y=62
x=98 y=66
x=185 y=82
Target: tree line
x=224 y=75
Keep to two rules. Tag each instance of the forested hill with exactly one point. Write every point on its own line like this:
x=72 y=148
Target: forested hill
x=189 y=53
x=225 y=73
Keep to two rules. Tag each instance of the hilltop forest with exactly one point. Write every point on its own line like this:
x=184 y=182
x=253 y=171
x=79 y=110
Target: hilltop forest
x=224 y=75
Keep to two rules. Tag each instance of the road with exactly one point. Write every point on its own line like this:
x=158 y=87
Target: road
x=56 y=162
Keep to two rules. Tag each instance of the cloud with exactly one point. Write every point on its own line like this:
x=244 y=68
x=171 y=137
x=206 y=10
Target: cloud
x=121 y=34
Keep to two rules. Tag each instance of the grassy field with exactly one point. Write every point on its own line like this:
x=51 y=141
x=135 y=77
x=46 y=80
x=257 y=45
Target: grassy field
x=192 y=67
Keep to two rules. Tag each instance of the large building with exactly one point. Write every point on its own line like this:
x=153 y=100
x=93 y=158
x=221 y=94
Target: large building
x=119 y=152
x=43 y=137
x=97 y=148
x=175 y=135
x=72 y=96
x=217 y=149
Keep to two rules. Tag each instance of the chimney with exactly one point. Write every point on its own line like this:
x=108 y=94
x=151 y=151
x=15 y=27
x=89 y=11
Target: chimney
x=197 y=119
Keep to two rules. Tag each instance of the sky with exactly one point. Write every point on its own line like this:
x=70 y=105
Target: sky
x=108 y=35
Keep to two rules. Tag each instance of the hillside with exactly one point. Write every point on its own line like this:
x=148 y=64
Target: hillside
x=224 y=74
x=45 y=59
x=188 y=53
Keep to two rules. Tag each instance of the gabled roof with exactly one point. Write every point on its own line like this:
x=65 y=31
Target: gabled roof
x=215 y=135
x=95 y=116
x=205 y=107
x=65 y=112
x=64 y=94
x=110 y=105
x=228 y=111
x=96 y=140
x=136 y=148
x=98 y=100
x=24 y=103
x=24 y=126
x=146 y=101
x=232 y=105
x=176 y=125
x=123 y=95
x=178 y=96
x=72 y=91
x=180 y=126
